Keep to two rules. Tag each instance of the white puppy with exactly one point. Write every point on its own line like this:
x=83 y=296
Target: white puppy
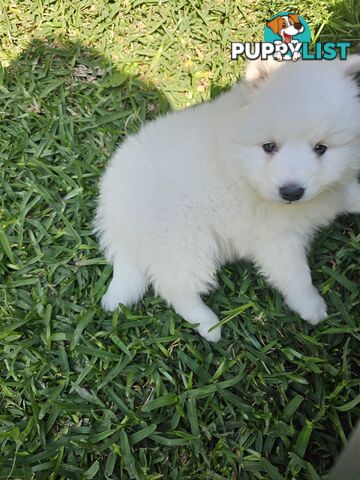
x=250 y=175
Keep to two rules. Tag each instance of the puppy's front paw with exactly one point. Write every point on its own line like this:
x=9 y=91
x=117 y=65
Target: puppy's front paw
x=311 y=307
x=109 y=301
x=206 y=319
x=315 y=310
x=213 y=336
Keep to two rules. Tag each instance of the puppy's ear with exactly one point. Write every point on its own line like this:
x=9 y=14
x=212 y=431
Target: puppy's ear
x=258 y=71
x=352 y=65
x=275 y=25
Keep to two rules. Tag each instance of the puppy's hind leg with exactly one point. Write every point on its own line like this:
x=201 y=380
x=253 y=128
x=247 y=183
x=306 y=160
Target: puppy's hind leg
x=127 y=285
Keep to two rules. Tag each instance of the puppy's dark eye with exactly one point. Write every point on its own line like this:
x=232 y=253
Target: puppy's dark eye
x=320 y=149
x=269 y=147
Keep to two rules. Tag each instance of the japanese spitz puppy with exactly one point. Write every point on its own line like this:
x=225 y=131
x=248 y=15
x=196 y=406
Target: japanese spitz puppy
x=250 y=175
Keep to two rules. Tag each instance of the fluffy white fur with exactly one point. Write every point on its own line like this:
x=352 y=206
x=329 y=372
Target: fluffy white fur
x=195 y=188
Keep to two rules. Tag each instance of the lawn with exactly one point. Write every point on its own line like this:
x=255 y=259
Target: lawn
x=139 y=395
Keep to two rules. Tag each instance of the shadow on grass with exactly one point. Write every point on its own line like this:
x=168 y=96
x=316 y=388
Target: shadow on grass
x=63 y=110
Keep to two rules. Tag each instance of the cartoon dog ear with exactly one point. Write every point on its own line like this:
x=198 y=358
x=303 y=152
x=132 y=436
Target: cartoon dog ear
x=275 y=25
x=352 y=65
x=258 y=71
x=294 y=17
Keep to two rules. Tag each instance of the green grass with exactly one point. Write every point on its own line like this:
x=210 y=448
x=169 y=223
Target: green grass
x=137 y=394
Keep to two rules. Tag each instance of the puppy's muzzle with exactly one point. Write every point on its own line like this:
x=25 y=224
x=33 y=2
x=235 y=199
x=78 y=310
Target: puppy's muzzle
x=291 y=192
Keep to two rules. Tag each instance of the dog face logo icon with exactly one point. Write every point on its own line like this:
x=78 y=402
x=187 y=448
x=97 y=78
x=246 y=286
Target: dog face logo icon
x=288 y=31
x=287 y=26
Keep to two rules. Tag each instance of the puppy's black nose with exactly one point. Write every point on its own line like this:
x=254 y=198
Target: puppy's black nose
x=291 y=192
x=298 y=26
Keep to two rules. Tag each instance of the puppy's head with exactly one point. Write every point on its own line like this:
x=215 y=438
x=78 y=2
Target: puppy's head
x=299 y=133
